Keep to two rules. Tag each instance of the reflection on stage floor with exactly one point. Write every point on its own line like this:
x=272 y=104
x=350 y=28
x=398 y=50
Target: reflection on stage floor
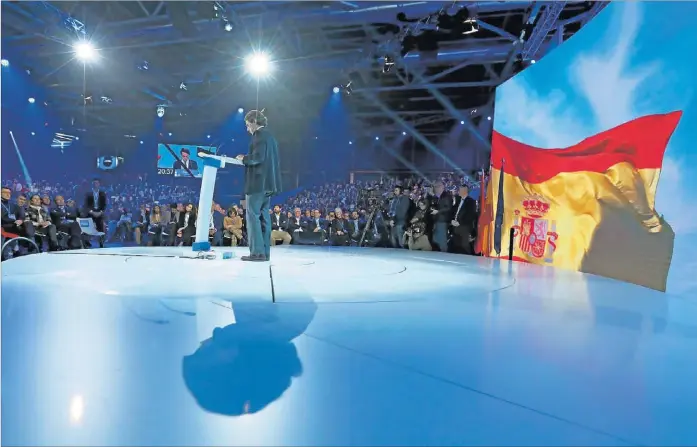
x=326 y=346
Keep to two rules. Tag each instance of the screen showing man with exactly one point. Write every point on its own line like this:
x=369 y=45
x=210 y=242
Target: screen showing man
x=180 y=160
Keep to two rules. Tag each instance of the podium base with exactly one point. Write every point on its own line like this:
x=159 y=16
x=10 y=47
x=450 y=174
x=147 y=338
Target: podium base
x=201 y=246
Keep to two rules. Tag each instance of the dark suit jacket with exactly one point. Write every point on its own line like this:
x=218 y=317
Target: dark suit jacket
x=295 y=223
x=400 y=207
x=11 y=208
x=89 y=204
x=262 y=165
x=61 y=214
x=279 y=222
x=444 y=205
x=312 y=224
x=193 y=166
x=468 y=212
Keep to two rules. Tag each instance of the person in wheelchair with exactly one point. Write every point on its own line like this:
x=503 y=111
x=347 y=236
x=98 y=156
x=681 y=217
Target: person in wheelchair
x=65 y=220
x=42 y=222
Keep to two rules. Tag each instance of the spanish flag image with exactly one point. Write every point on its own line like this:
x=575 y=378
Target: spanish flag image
x=589 y=207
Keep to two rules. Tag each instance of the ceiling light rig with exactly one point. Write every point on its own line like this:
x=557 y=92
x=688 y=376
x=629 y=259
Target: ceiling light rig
x=160 y=111
x=388 y=63
x=106 y=100
x=182 y=86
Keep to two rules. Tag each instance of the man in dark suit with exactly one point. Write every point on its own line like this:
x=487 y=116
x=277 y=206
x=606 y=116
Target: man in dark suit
x=464 y=222
x=94 y=207
x=186 y=162
x=13 y=217
x=262 y=180
x=442 y=214
x=398 y=214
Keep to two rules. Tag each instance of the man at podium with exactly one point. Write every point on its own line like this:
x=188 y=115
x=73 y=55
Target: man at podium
x=186 y=162
x=262 y=181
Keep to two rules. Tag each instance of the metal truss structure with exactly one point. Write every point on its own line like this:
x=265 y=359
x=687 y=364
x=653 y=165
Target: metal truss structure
x=150 y=49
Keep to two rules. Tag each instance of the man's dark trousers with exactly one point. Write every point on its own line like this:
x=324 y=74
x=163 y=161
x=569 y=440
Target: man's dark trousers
x=259 y=236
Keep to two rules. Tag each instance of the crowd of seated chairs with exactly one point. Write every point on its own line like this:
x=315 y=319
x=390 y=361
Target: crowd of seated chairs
x=411 y=213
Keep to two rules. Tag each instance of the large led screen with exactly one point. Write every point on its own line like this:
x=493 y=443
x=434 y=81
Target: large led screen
x=593 y=151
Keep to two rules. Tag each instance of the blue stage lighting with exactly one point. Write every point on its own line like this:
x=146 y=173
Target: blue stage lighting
x=336 y=89
x=240 y=110
x=33 y=133
x=32 y=100
x=170 y=134
x=5 y=63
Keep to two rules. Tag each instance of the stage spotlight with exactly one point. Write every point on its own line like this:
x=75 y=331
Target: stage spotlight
x=208 y=136
x=33 y=133
x=350 y=142
x=77 y=138
x=160 y=111
x=315 y=138
x=257 y=64
x=387 y=65
x=182 y=86
x=170 y=134
x=141 y=141
x=532 y=61
x=240 y=110
x=462 y=122
x=404 y=133
x=347 y=88
x=84 y=51
x=488 y=118
x=377 y=138
x=32 y=100
x=228 y=26
x=5 y=63
x=336 y=89
x=471 y=26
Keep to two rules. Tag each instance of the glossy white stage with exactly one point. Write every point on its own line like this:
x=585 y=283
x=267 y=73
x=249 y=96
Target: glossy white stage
x=362 y=347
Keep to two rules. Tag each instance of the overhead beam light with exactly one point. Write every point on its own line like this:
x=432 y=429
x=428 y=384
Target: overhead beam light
x=5 y=63
x=336 y=89
x=388 y=64
x=84 y=51
x=257 y=64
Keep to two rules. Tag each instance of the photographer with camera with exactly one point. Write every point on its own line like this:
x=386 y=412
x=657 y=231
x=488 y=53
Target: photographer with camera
x=398 y=214
x=416 y=234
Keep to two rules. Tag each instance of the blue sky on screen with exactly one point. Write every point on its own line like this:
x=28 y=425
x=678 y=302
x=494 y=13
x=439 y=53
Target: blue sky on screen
x=633 y=59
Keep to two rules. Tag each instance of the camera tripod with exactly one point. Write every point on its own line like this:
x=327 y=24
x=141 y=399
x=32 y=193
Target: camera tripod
x=368 y=224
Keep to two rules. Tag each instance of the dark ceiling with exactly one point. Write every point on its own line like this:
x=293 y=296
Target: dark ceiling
x=446 y=76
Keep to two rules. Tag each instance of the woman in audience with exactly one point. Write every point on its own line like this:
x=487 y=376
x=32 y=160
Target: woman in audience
x=187 y=225
x=417 y=238
x=232 y=225
x=156 y=223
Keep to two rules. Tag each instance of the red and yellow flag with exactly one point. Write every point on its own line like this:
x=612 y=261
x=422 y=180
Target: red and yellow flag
x=588 y=207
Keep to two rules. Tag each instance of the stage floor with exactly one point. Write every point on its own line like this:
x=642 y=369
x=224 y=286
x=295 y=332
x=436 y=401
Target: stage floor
x=143 y=346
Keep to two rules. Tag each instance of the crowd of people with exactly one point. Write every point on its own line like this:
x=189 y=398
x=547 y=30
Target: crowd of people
x=413 y=213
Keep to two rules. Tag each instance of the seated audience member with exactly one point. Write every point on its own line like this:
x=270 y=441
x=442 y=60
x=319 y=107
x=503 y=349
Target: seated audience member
x=46 y=203
x=296 y=226
x=464 y=223
x=156 y=223
x=42 y=222
x=65 y=220
x=339 y=229
x=176 y=210
x=416 y=235
x=94 y=207
x=22 y=202
x=142 y=224
x=187 y=225
x=232 y=224
x=356 y=227
x=316 y=229
x=14 y=217
x=215 y=231
x=124 y=226
x=279 y=223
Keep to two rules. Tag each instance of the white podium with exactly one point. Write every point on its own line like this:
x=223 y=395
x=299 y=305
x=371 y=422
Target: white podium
x=211 y=164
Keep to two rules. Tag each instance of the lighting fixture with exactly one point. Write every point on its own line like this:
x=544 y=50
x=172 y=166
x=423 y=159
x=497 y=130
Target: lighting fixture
x=33 y=133
x=106 y=100
x=170 y=134
x=462 y=122
x=257 y=64
x=388 y=64
x=471 y=26
x=488 y=118
x=208 y=136
x=404 y=133
x=377 y=138
x=336 y=89
x=228 y=26
x=31 y=100
x=5 y=63
x=240 y=110
x=160 y=111
x=182 y=86
x=141 y=141
x=84 y=51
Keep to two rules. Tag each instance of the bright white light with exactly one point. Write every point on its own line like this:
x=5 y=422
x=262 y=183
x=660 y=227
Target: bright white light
x=377 y=138
x=488 y=118
x=170 y=134
x=5 y=63
x=33 y=133
x=84 y=51
x=257 y=64
x=462 y=122
x=77 y=138
x=228 y=27
x=160 y=111
x=240 y=110
x=532 y=61
x=141 y=141
x=404 y=133
x=208 y=136
x=336 y=90
x=32 y=100
x=350 y=142
x=77 y=409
